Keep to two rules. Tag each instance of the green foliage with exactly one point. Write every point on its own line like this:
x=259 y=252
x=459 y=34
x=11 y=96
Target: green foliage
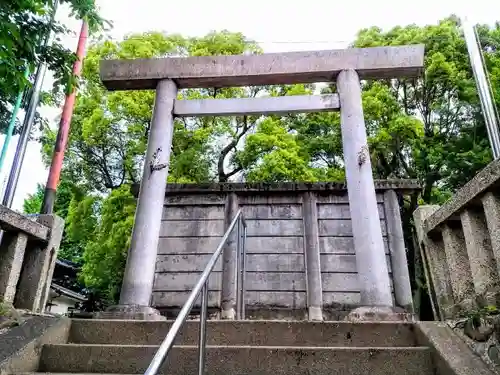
x=450 y=144
x=65 y=191
x=24 y=25
x=33 y=203
x=479 y=313
x=277 y=153
x=106 y=251
x=78 y=208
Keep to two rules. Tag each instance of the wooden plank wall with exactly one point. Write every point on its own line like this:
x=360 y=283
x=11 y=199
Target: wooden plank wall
x=190 y=232
x=192 y=227
x=336 y=246
x=275 y=260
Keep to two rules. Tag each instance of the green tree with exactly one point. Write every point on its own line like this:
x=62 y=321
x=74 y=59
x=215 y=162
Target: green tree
x=24 y=24
x=33 y=203
x=77 y=208
x=106 y=251
x=451 y=144
x=273 y=154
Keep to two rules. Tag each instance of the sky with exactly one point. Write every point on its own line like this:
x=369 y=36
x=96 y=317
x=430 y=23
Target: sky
x=277 y=25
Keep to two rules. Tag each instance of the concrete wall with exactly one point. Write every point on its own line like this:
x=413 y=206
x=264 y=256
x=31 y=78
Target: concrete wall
x=194 y=219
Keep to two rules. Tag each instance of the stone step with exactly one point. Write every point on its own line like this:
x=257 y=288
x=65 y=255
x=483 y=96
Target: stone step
x=241 y=360
x=226 y=332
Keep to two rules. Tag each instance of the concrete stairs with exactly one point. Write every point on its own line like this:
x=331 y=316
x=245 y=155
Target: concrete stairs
x=242 y=347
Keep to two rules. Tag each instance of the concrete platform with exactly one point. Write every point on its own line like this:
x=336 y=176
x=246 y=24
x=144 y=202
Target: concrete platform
x=224 y=332
x=223 y=360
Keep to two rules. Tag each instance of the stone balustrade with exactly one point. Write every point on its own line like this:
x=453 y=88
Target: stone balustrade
x=460 y=245
x=28 y=252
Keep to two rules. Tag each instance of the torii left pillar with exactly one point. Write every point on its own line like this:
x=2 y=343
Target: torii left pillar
x=138 y=278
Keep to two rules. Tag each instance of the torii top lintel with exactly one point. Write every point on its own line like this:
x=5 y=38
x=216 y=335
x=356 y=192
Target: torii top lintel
x=265 y=69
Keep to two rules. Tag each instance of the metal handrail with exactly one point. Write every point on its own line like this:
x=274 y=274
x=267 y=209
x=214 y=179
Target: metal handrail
x=202 y=286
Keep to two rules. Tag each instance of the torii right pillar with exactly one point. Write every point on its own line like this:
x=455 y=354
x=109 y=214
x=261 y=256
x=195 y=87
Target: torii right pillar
x=373 y=274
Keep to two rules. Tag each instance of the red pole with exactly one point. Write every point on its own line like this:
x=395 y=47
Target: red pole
x=64 y=126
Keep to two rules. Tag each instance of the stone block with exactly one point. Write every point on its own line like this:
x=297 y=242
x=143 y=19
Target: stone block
x=482 y=262
x=341 y=300
x=184 y=281
x=341 y=245
x=291 y=227
x=292 y=300
x=188 y=245
x=38 y=267
x=458 y=263
x=436 y=268
x=12 y=251
x=265 y=69
x=14 y=221
x=275 y=263
x=342 y=282
x=275 y=281
x=343 y=263
x=177 y=299
x=256 y=106
x=269 y=200
x=275 y=245
x=341 y=227
x=276 y=211
x=323 y=198
x=195 y=200
x=185 y=212
x=341 y=211
x=185 y=263
x=193 y=228
x=491 y=206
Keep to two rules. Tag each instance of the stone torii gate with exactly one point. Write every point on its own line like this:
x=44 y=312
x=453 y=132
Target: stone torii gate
x=345 y=67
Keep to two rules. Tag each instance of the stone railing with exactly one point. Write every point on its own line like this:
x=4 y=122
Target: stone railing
x=460 y=245
x=28 y=252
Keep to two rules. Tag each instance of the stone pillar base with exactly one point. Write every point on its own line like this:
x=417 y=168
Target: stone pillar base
x=229 y=314
x=130 y=312
x=379 y=314
x=315 y=314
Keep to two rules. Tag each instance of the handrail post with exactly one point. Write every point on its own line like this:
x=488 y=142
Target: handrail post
x=200 y=287
x=203 y=329
x=243 y=270
x=238 y=271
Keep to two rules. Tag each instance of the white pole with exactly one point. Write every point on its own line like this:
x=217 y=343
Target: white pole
x=483 y=88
